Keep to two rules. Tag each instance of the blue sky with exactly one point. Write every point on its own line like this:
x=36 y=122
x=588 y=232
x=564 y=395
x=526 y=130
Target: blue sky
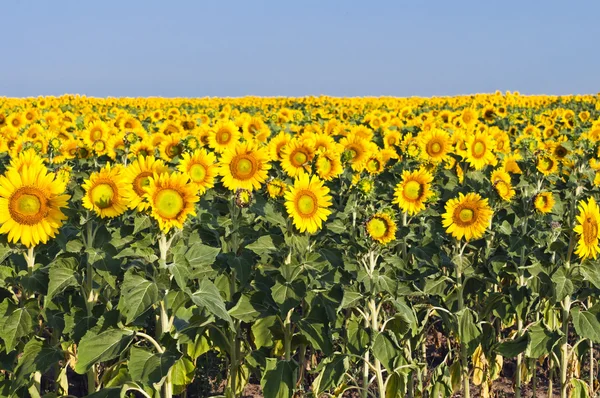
x=293 y=48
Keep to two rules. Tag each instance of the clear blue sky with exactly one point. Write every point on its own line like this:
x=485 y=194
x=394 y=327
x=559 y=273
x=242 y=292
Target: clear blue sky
x=342 y=48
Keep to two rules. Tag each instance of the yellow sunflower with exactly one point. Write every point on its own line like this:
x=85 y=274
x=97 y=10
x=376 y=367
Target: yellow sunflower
x=172 y=199
x=413 y=191
x=255 y=128
x=296 y=157
x=201 y=167
x=137 y=175
x=223 y=135
x=171 y=146
x=547 y=165
x=276 y=188
x=501 y=182
x=329 y=165
x=276 y=145
x=106 y=192
x=480 y=150
x=381 y=228
x=544 y=202
x=307 y=203
x=244 y=167
x=28 y=158
x=435 y=145
x=588 y=229
x=358 y=149
x=30 y=205
x=467 y=216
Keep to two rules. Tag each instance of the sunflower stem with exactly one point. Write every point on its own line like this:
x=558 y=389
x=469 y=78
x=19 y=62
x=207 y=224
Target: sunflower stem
x=464 y=364
x=165 y=325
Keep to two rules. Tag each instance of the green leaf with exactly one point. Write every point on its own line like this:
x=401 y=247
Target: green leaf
x=512 y=348
x=208 y=296
x=137 y=360
x=112 y=392
x=180 y=269
x=541 y=340
x=141 y=223
x=318 y=334
x=333 y=370
x=137 y=295
x=94 y=348
x=288 y=294
x=580 y=389
x=351 y=299
x=396 y=386
x=563 y=285
x=15 y=326
x=182 y=374
x=157 y=366
x=263 y=245
x=263 y=337
x=249 y=307
x=385 y=350
x=586 y=324
x=37 y=356
x=62 y=275
x=469 y=332
x=591 y=272
x=200 y=255
x=278 y=380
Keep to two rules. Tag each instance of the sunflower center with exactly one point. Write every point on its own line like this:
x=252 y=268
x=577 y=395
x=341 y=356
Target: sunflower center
x=377 y=228
x=96 y=134
x=102 y=195
x=299 y=158
x=590 y=231
x=373 y=165
x=197 y=172
x=466 y=215
x=478 y=148
x=28 y=206
x=307 y=204
x=413 y=190
x=168 y=203
x=223 y=137
x=325 y=165
x=435 y=148
x=173 y=150
x=243 y=168
x=141 y=182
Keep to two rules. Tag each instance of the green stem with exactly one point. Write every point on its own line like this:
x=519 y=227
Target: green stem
x=91 y=298
x=464 y=364
x=288 y=334
x=164 y=245
x=550 y=378
x=365 y=375
x=591 y=356
x=564 y=350
x=375 y=329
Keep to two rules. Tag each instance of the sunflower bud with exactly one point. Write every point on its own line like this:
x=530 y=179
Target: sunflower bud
x=243 y=198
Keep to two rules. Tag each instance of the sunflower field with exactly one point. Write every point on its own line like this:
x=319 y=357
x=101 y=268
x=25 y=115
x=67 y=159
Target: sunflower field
x=310 y=247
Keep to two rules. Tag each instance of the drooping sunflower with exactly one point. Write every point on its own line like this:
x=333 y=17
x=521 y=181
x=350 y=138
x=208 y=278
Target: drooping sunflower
x=172 y=198
x=201 y=167
x=137 y=175
x=276 y=188
x=255 y=128
x=480 y=150
x=467 y=216
x=244 y=166
x=547 y=165
x=171 y=146
x=501 y=182
x=107 y=192
x=381 y=228
x=544 y=202
x=435 y=145
x=30 y=204
x=413 y=191
x=588 y=229
x=307 y=203
x=223 y=135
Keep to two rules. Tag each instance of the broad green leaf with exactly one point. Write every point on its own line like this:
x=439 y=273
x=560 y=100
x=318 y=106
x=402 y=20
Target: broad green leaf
x=200 y=255
x=591 y=272
x=62 y=275
x=469 y=332
x=137 y=360
x=396 y=386
x=541 y=340
x=137 y=295
x=182 y=374
x=331 y=375
x=317 y=334
x=580 y=389
x=351 y=299
x=249 y=307
x=37 y=356
x=157 y=366
x=94 y=348
x=288 y=294
x=140 y=223
x=512 y=348
x=263 y=245
x=16 y=325
x=563 y=285
x=278 y=380
x=207 y=296
x=586 y=324
x=386 y=351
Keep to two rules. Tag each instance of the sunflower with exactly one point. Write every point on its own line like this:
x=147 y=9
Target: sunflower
x=255 y=128
x=480 y=150
x=201 y=167
x=30 y=204
x=546 y=165
x=358 y=149
x=223 y=135
x=544 y=202
x=137 y=175
x=467 y=216
x=374 y=163
x=276 y=145
x=435 y=145
x=28 y=158
x=510 y=165
x=588 y=229
x=276 y=188
x=107 y=192
x=244 y=166
x=307 y=203
x=501 y=182
x=296 y=157
x=329 y=165
x=141 y=148
x=170 y=147
x=171 y=199
x=413 y=191
x=381 y=228
x=469 y=116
